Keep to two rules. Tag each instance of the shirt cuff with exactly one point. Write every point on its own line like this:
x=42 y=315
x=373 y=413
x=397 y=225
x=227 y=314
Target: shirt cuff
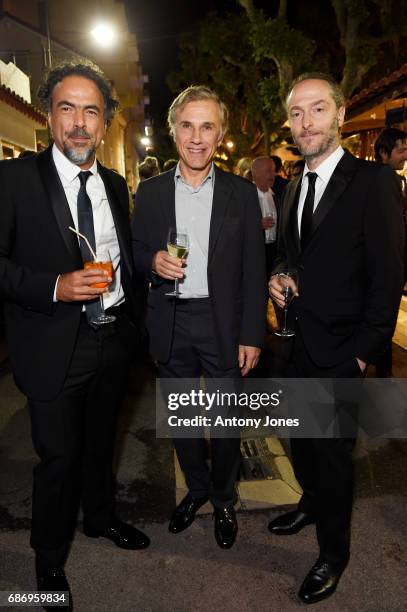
x=54 y=299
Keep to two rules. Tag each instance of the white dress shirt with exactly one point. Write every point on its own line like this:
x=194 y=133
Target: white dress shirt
x=268 y=208
x=105 y=231
x=324 y=172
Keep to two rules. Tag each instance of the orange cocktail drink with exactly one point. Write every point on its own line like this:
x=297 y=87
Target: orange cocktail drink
x=100 y=265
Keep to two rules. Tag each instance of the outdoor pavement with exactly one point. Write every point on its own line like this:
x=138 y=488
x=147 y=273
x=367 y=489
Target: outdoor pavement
x=189 y=572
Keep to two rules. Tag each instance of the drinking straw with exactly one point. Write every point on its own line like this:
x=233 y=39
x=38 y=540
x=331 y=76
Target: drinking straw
x=86 y=240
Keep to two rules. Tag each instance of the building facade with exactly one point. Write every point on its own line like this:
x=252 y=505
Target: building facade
x=37 y=34
x=19 y=119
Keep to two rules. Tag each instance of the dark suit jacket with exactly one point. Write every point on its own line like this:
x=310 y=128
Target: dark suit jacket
x=35 y=247
x=351 y=272
x=279 y=186
x=236 y=265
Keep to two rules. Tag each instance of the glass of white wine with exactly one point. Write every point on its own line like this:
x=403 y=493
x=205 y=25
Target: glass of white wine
x=177 y=246
x=289 y=281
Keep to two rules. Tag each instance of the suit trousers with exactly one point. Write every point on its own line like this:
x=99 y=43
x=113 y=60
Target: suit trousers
x=73 y=436
x=324 y=467
x=194 y=352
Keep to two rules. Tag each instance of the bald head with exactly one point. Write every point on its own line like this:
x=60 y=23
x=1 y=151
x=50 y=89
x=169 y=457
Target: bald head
x=263 y=172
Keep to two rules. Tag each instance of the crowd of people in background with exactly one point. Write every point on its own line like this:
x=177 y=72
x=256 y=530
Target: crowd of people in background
x=390 y=148
x=284 y=170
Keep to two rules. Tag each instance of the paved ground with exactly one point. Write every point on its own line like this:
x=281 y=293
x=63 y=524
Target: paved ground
x=189 y=572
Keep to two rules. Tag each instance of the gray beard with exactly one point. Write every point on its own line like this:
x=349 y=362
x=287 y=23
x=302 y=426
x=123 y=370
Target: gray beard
x=80 y=156
x=318 y=151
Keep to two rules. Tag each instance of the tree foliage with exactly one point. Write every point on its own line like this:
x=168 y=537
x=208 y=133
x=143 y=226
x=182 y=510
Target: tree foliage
x=220 y=55
x=367 y=28
x=250 y=57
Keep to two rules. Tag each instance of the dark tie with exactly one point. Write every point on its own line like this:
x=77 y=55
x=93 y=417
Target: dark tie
x=85 y=226
x=308 y=210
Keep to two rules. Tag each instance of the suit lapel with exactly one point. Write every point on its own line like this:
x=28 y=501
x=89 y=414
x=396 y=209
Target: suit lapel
x=338 y=182
x=57 y=199
x=289 y=210
x=167 y=198
x=221 y=194
x=120 y=218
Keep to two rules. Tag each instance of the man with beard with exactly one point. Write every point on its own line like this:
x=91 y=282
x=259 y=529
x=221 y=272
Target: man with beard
x=73 y=371
x=335 y=217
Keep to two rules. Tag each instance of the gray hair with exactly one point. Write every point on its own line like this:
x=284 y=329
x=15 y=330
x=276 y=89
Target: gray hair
x=194 y=93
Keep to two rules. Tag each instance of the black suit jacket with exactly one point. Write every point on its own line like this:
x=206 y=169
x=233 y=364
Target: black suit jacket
x=35 y=247
x=351 y=272
x=279 y=186
x=236 y=263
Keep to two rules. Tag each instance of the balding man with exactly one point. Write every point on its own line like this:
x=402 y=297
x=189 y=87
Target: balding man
x=264 y=173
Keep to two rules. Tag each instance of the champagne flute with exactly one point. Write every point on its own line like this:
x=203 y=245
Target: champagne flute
x=288 y=278
x=103 y=261
x=177 y=246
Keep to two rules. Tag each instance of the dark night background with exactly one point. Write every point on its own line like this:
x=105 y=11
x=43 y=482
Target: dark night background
x=159 y=23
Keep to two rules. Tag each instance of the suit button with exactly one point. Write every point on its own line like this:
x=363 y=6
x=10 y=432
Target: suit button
x=301 y=266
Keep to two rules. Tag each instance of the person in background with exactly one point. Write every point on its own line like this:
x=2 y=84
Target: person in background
x=27 y=153
x=169 y=164
x=296 y=169
x=264 y=173
x=280 y=181
x=148 y=168
x=242 y=166
x=390 y=148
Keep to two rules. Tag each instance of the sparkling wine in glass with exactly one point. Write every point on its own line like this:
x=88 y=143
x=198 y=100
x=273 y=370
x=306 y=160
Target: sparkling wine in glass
x=103 y=262
x=177 y=246
x=289 y=280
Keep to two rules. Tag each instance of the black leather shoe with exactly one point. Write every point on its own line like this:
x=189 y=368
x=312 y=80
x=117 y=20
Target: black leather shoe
x=54 y=580
x=320 y=582
x=290 y=523
x=225 y=526
x=184 y=514
x=123 y=535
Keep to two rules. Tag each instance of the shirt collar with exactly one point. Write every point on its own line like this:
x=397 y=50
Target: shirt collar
x=66 y=168
x=209 y=177
x=327 y=167
x=264 y=193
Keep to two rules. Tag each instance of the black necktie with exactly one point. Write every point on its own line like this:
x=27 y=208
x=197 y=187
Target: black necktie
x=85 y=226
x=308 y=210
